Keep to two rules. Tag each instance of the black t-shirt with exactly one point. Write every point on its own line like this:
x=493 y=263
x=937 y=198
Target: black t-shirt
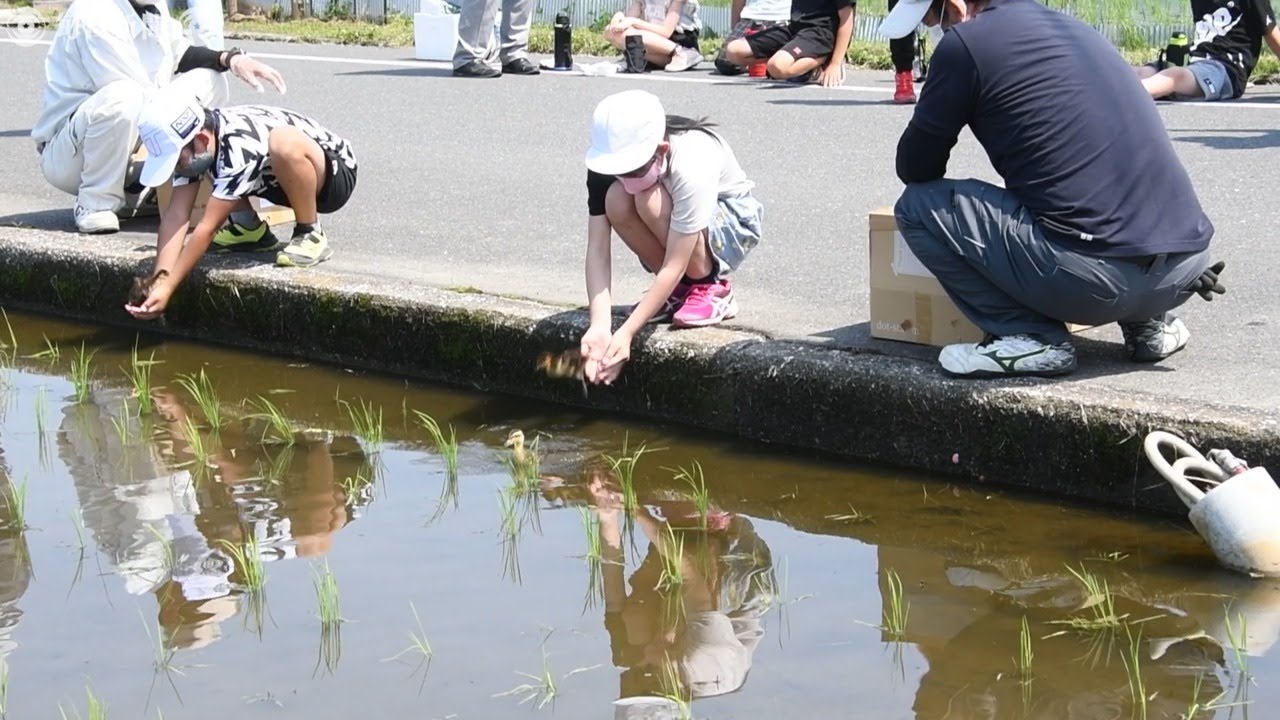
x=1231 y=31
x=597 y=190
x=1067 y=124
x=812 y=10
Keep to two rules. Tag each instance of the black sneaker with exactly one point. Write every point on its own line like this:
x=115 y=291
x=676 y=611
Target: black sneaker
x=521 y=66
x=1155 y=339
x=476 y=69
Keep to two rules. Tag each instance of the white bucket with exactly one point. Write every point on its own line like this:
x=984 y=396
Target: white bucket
x=1238 y=517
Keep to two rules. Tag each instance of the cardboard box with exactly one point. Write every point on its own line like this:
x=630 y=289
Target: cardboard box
x=907 y=301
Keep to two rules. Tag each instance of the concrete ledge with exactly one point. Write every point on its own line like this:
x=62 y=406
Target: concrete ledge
x=1063 y=439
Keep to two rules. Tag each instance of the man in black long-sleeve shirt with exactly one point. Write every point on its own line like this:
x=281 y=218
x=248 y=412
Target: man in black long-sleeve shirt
x=1099 y=222
x=105 y=58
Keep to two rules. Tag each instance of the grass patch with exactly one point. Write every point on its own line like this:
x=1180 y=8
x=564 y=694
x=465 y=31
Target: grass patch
x=139 y=374
x=895 y=615
x=697 y=483
x=367 y=422
x=278 y=430
x=672 y=561
x=624 y=467
x=446 y=446
x=328 y=602
x=247 y=559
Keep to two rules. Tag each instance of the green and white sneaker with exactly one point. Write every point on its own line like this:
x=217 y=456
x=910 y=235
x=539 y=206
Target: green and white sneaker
x=235 y=237
x=1010 y=356
x=305 y=250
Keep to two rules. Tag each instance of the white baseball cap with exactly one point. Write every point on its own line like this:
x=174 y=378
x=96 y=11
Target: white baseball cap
x=168 y=121
x=625 y=130
x=905 y=17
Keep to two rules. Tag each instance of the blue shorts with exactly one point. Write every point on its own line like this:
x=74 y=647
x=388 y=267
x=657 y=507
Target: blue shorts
x=1213 y=78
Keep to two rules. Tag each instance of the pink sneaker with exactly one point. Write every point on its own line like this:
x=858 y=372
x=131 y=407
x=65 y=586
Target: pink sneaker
x=707 y=304
x=668 y=308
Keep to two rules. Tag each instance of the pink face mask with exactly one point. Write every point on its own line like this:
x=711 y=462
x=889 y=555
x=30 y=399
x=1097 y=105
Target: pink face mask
x=636 y=185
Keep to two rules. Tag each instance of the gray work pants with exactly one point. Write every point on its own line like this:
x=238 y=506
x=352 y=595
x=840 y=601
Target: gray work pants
x=476 y=39
x=988 y=253
x=89 y=157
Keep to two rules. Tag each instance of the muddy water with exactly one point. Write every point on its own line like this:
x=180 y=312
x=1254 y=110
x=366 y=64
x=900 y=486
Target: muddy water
x=121 y=581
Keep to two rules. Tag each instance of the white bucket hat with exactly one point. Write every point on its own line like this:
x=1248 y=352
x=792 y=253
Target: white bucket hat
x=625 y=130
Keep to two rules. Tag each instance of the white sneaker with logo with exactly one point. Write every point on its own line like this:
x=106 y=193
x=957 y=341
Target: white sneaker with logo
x=96 y=222
x=1010 y=356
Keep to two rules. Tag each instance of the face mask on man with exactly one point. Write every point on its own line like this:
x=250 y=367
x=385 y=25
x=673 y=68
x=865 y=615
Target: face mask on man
x=638 y=184
x=197 y=166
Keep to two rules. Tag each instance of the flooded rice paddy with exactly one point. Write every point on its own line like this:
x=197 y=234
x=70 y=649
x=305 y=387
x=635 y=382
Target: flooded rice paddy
x=317 y=556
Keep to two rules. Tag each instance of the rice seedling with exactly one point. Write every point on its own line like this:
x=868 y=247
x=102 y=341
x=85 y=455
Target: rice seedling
x=853 y=516
x=82 y=373
x=367 y=424
x=672 y=556
x=698 y=488
x=1099 y=601
x=51 y=352
x=139 y=375
x=247 y=559
x=40 y=411
x=895 y=615
x=624 y=467
x=96 y=709
x=1132 y=659
x=9 y=350
x=419 y=645
x=167 y=560
x=121 y=422
x=353 y=488
x=15 y=502
x=1196 y=707
x=195 y=441
x=200 y=388
x=544 y=686
x=1238 y=635
x=446 y=446
x=278 y=429
x=4 y=689
x=673 y=690
x=327 y=599
x=1026 y=656
x=591 y=525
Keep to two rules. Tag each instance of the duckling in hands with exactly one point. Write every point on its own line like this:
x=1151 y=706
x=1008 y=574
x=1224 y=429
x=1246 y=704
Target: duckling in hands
x=568 y=364
x=142 y=287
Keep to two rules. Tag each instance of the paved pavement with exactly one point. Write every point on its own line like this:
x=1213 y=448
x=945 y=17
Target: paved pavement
x=468 y=183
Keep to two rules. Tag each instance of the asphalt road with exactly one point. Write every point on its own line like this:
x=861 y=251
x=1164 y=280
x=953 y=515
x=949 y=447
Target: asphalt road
x=470 y=183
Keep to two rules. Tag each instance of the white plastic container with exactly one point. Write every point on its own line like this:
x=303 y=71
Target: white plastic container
x=435 y=36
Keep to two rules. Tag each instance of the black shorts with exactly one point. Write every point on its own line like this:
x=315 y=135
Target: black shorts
x=686 y=38
x=809 y=37
x=339 y=183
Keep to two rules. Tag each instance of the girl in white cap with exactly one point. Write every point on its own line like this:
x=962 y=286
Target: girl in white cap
x=673 y=190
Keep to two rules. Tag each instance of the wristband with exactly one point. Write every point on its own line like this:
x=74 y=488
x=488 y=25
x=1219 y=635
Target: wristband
x=231 y=54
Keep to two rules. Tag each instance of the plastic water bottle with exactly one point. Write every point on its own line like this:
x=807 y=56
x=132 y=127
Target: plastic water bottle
x=1178 y=52
x=563 y=42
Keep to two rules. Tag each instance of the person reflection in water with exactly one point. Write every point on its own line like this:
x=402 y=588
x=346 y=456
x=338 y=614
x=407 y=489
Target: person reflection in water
x=697 y=640
x=160 y=517
x=965 y=619
x=15 y=571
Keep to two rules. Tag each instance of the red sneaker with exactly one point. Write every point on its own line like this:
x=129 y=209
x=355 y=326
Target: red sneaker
x=904 y=92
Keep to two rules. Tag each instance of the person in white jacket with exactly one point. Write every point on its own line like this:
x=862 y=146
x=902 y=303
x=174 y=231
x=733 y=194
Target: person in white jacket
x=105 y=58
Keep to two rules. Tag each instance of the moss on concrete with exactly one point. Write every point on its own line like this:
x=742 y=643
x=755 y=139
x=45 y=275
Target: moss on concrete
x=871 y=407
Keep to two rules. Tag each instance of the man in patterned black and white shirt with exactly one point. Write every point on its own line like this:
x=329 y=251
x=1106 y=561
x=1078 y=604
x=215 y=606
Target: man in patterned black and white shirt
x=246 y=151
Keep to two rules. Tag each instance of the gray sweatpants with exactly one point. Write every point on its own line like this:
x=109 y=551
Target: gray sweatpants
x=987 y=251
x=476 y=40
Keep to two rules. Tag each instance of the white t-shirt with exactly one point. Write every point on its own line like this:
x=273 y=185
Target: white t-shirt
x=702 y=170
x=655 y=11
x=771 y=10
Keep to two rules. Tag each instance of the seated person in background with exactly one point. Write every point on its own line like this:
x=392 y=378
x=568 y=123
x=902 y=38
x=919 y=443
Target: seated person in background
x=750 y=17
x=813 y=44
x=247 y=151
x=669 y=28
x=1083 y=233
x=1228 y=39
x=105 y=58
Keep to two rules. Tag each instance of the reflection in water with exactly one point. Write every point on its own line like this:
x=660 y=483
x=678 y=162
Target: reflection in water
x=965 y=619
x=678 y=642
x=15 y=570
x=161 y=505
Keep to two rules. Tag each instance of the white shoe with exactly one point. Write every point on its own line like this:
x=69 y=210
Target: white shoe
x=683 y=59
x=96 y=222
x=1011 y=356
x=1155 y=339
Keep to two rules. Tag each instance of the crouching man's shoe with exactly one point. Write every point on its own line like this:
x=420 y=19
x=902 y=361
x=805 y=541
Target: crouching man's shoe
x=1155 y=339
x=1009 y=356
x=96 y=222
